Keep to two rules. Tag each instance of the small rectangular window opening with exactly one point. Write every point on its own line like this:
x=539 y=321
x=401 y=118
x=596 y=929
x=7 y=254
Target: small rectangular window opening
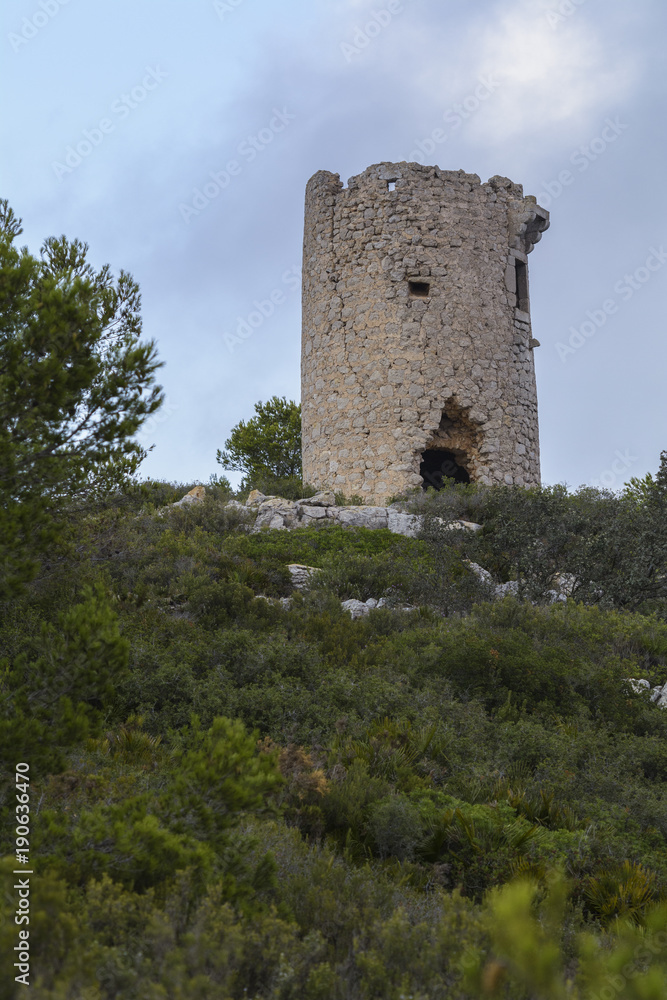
x=391 y=185
x=419 y=289
x=522 y=301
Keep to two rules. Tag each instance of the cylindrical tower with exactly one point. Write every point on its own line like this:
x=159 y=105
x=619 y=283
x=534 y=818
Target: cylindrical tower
x=417 y=351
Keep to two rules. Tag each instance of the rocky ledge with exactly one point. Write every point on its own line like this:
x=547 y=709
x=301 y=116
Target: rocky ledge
x=276 y=512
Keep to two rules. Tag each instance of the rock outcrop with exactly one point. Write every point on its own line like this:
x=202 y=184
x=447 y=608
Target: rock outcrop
x=657 y=694
x=278 y=513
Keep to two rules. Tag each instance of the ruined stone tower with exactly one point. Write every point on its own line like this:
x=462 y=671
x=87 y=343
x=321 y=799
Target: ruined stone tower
x=417 y=351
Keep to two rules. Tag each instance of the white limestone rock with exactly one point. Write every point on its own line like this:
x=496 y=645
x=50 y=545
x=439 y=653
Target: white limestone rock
x=274 y=512
x=324 y=499
x=638 y=685
x=357 y=609
x=301 y=575
x=659 y=696
x=195 y=495
x=361 y=517
x=308 y=515
x=236 y=505
x=403 y=524
x=479 y=571
x=255 y=498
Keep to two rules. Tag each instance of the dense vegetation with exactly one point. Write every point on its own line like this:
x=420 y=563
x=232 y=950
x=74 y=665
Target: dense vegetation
x=238 y=796
x=237 y=791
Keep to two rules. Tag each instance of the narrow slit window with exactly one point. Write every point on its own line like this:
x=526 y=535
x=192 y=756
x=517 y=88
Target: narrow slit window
x=419 y=289
x=522 y=300
x=391 y=185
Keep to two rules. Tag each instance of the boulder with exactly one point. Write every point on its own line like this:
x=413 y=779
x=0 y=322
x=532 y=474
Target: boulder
x=361 y=517
x=403 y=524
x=659 y=696
x=479 y=571
x=301 y=575
x=638 y=685
x=306 y=515
x=357 y=609
x=324 y=499
x=236 y=505
x=195 y=495
x=274 y=512
x=360 y=608
x=255 y=498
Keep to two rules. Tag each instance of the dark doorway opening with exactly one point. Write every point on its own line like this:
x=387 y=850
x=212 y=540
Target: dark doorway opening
x=438 y=465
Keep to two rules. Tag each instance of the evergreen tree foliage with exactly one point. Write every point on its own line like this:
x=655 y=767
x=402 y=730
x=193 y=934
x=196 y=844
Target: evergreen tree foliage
x=266 y=448
x=76 y=383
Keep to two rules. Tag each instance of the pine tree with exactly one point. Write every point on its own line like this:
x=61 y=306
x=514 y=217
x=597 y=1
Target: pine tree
x=76 y=383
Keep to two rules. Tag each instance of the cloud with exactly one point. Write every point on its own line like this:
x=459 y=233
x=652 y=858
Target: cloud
x=552 y=75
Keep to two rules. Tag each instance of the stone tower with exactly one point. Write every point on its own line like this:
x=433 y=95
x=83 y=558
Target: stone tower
x=417 y=351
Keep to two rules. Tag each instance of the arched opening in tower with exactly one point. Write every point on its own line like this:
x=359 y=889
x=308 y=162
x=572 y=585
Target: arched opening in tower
x=452 y=451
x=438 y=465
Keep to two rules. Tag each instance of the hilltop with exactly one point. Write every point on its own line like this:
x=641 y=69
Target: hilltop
x=240 y=790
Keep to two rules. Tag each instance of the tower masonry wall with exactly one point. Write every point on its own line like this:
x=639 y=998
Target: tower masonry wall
x=416 y=329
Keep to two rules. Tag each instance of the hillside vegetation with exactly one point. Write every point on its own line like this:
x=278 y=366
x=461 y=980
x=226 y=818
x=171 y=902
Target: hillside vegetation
x=238 y=796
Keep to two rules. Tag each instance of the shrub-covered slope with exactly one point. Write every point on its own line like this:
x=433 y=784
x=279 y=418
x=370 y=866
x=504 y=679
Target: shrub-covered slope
x=234 y=795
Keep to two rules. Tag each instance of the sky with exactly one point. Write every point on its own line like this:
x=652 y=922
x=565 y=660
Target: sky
x=176 y=139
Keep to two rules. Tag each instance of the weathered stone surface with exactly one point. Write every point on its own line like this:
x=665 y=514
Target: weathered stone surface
x=274 y=512
x=309 y=514
x=356 y=608
x=638 y=685
x=659 y=696
x=236 y=505
x=416 y=330
x=325 y=499
x=403 y=524
x=255 y=498
x=360 y=608
x=361 y=517
x=457 y=525
x=481 y=573
x=301 y=575
x=195 y=495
